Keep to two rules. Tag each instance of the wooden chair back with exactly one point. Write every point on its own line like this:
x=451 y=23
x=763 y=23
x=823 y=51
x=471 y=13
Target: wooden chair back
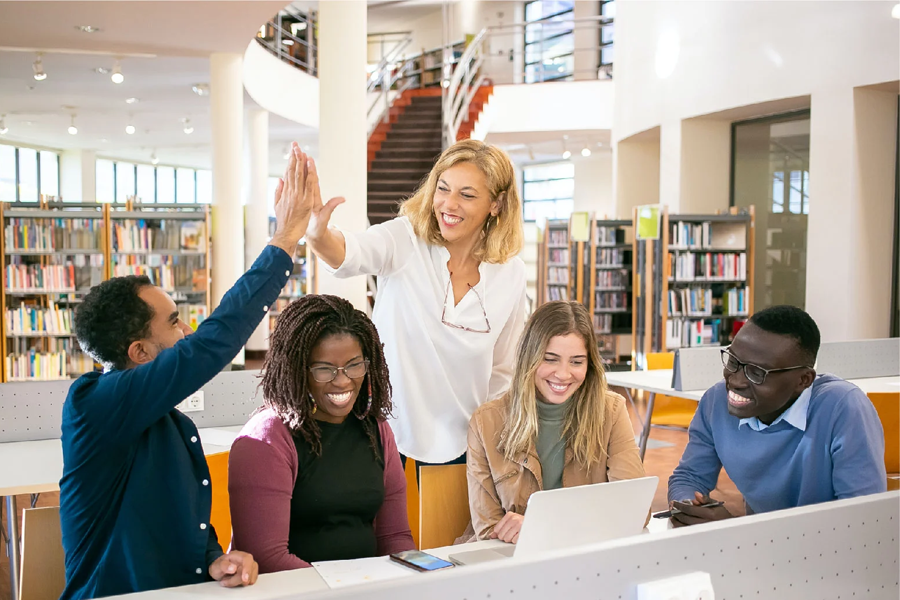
x=443 y=505
x=221 y=509
x=43 y=575
x=674 y=412
x=887 y=405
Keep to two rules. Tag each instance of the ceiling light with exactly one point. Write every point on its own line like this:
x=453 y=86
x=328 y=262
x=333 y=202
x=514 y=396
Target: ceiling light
x=38 y=67
x=188 y=128
x=895 y=12
x=131 y=100
x=101 y=70
x=446 y=83
x=117 y=76
x=287 y=42
x=154 y=159
x=3 y=127
x=201 y=89
x=72 y=129
x=129 y=129
x=295 y=27
x=567 y=155
x=87 y=28
x=586 y=151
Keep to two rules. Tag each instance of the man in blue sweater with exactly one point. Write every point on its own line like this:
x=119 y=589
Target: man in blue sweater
x=135 y=495
x=785 y=436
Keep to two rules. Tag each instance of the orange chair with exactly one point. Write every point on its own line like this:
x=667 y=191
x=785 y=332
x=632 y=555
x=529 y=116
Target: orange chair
x=412 y=499
x=887 y=405
x=669 y=411
x=221 y=511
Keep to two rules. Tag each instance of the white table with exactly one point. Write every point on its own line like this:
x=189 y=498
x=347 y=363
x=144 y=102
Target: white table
x=36 y=467
x=660 y=382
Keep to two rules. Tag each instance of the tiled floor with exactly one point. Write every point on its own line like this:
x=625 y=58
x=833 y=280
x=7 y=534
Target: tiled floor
x=658 y=461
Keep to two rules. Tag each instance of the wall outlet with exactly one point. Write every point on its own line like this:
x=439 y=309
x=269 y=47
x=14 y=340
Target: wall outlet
x=690 y=586
x=193 y=403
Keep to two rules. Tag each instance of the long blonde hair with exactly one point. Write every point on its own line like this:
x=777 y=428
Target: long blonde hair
x=503 y=235
x=585 y=415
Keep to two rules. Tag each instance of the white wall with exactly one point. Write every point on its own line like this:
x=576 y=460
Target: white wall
x=594 y=184
x=280 y=88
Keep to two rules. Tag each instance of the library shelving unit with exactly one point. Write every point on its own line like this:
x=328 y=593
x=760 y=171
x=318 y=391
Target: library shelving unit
x=695 y=284
x=427 y=67
x=298 y=285
x=555 y=273
x=170 y=244
x=52 y=253
x=609 y=285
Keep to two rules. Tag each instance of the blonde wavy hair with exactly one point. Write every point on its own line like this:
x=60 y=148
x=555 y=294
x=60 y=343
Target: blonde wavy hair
x=585 y=415
x=503 y=235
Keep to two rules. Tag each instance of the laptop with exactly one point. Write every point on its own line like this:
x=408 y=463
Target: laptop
x=575 y=516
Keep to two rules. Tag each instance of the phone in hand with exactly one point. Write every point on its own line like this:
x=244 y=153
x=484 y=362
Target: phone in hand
x=420 y=561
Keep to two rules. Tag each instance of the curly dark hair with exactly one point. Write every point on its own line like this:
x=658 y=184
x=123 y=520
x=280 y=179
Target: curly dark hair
x=794 y=323
x=112 y=316
x=302 y=325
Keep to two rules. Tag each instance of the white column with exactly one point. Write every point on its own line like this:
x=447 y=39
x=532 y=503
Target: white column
x=852 y=162
x=342 y=128
x=636 y=172
x=594 y=183
x=226 y=122
x=587 y=41
x=705 y=166
x=78 y=175
x=670 y=166
x=256 y=209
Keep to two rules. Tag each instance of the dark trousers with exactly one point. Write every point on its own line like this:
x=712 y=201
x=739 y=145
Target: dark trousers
x=459 y=460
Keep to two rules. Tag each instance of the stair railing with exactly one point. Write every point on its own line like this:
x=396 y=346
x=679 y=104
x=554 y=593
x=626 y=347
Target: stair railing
x=459 y=91
x=277 y=37
x=391 y=69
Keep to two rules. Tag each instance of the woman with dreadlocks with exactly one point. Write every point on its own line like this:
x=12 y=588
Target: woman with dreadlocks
x=316 y=475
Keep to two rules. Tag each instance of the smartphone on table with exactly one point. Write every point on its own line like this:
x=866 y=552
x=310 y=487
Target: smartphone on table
x=420 y=561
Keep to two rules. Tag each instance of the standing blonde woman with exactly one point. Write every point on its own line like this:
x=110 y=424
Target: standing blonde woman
x=451 y=294
x=559 y=425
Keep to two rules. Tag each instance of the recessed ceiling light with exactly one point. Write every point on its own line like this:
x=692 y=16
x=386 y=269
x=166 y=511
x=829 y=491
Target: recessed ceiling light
x=154 y=159
x=567 y=155
x=117 y=76
x=87 y=28
x=131 y=100
x=201 y=89
x=72 y=129
x=101 y=70
x=585 y=151
x=188 y=128
x=129 y=129
x=38 y=67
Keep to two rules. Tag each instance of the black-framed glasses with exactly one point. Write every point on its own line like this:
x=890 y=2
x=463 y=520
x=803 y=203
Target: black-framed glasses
x=454 y=325
x=754 y=373
x=327 y=374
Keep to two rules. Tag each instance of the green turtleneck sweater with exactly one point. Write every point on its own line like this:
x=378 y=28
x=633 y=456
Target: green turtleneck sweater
x=550 y=446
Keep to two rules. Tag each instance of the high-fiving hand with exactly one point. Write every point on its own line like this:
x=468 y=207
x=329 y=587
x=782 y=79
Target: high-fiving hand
x=295 y=197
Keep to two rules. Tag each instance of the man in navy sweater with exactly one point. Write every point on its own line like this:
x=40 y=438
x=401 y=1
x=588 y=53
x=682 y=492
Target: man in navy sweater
x=785 y=436
x=135 y=495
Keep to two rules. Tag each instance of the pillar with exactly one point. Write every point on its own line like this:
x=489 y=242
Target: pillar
x=78 y=175
x=342 y=128
x=636 y=172
x=256 y=209
x=593 y=182
x=226 y=124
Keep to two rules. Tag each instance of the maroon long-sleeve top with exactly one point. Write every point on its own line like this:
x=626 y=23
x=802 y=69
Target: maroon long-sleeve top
x=262 y=472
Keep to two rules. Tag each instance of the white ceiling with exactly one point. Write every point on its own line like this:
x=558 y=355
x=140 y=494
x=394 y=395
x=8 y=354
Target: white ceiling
x=178 y=36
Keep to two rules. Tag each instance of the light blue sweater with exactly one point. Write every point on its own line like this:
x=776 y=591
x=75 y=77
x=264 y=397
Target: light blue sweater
x=839 y=455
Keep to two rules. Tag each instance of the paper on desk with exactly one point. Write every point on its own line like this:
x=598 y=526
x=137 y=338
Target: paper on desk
x=342 y=573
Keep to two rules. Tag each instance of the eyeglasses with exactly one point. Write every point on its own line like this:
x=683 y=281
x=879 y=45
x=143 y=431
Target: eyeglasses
x=754 y=373
x=328 y=374
x=454 y=325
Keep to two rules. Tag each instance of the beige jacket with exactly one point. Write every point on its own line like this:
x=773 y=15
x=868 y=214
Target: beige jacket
x=498 y=485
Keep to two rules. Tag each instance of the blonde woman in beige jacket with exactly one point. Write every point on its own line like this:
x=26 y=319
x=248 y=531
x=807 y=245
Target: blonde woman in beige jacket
x=558 y=426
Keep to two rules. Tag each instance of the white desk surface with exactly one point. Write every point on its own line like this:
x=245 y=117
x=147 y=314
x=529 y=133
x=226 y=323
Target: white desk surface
x=660 y=382
x=299 y=581
x=36 y=467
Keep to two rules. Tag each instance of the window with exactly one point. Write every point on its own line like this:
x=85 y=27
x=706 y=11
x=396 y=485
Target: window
x=165 y=185
x=28 y=175
x=204 y=186
x=186 y=192
x=49 y=173
x=7 y=174
x=549 y=41
x=106 y=180
x=607 y=35
x=125 y=184
x=548 y=191
x=146 y=184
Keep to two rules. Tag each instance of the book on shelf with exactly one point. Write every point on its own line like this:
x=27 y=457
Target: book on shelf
x=611 y=301
x=611 y=279
x=734 y=302
x=192 y=236
x=557 y=293
x=691 y=302
x=50 y=235
x=610 y=257
x=607 y=236
x=558 y=275
x=37 y=365
x=192 y=314
x=40 y=278
x=26 y=320
x=558 y=237
x=708 y=266
x=690 y=235
x=557 y=256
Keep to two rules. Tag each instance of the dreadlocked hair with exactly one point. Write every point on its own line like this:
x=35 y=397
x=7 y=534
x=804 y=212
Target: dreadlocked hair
x=285 y=378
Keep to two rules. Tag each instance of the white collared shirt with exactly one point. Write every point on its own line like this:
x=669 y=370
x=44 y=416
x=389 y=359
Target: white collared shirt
x=795 y=415
x=439 y=374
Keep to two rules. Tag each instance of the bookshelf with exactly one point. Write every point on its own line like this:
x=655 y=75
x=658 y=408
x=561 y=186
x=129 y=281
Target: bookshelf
x=299 y=284
x=51 y=255
x=695 y=283
x=609 y=286
x=426 y=67
x=556 y=277
x=169 y=243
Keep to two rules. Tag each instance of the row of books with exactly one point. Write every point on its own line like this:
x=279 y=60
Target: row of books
x=558 y=237
x=608 y=278
x=603 y=323
x=611 y=300
x=294 y=288
x=690 y=235
x=192 y=314
x=607 y=236
x=27 y=320
x=558 y=275
x=168 y=272
x=709 y=266
x=137 y=236
x=162 y=276
x=691 y=302
x=40 y=278
x=689 y=334
x=558 y=256
x=53 y=234
x=557 y=293
x=610 y=257
x=37 y=365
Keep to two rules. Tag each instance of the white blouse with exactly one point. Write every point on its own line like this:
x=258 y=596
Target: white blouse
x=439 y=374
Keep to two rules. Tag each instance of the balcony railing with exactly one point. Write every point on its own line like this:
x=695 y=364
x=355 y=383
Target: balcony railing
x=291 y=36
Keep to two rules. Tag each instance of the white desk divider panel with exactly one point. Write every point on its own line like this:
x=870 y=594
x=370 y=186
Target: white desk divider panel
x=860 y=359
x=837 y=550
x=696 y=368
x=32 y=410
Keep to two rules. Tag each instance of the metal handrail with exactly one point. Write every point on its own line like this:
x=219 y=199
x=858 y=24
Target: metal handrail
x=280 y=33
